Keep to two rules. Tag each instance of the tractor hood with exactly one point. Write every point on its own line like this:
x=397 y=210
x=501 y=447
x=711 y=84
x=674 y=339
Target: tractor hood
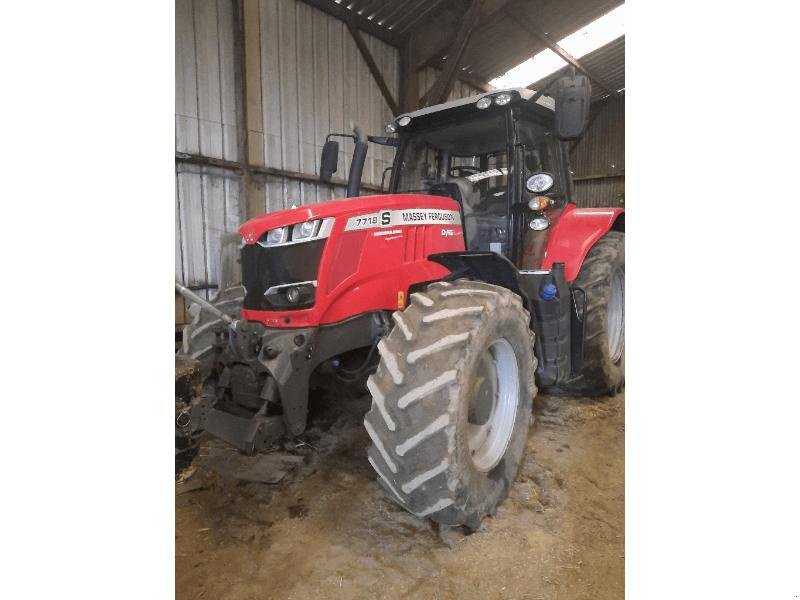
x=356 y=256
x=363 y=206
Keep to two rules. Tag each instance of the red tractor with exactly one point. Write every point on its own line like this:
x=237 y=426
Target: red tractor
x=472 y=281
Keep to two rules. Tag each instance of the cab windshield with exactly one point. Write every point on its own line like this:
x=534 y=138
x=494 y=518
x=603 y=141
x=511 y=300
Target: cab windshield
x=469 y=161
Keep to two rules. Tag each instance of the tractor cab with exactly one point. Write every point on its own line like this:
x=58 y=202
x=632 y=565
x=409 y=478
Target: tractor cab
x=496 y=154
x=500 y=155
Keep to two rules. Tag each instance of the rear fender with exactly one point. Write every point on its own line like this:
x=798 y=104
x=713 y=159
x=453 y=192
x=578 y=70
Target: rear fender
x=574 y=234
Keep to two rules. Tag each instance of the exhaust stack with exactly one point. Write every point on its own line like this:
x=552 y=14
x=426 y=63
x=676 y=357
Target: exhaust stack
x=357 y=164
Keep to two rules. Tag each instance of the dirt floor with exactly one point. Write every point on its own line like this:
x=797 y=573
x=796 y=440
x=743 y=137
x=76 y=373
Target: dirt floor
x=326 y=529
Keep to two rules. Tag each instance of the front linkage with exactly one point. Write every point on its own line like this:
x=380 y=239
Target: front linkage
x=260 y=372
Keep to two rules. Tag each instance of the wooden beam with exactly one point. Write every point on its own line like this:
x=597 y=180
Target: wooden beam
x=240 y=83
x=462 y=76
x=470 y=80
x=251 y=111
x=427 y=42
x=444 y=83
x=434 y=59
x=527 y=23
x=207 y=161
x=230 y=165
x=340 y=11
x=373 y=68
x=478 y=84
x=409 y=79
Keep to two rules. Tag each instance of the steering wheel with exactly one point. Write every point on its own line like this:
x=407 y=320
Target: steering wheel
x=463 y=171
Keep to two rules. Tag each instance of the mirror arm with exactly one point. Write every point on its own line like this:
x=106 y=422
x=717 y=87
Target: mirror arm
x=543 y=91
x=383 y=176
x=546 y=87
x=384 y=140
x=344 y=135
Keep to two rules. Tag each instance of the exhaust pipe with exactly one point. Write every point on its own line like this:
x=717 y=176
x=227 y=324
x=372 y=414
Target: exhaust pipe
x=357 y=164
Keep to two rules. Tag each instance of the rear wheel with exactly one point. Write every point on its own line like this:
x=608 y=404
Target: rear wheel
x=602 y=277
x=451 y=401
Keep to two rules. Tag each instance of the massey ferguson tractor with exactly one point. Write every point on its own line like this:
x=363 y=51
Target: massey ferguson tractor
x=474 y=280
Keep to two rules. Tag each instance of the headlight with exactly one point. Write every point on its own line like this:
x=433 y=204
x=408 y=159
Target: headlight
x=539 y=182
x=303 y=231
x=484 y=102
x=502 y=99
x=403 y=121
x=390 y=127
x=300 y=294
x=293 y=295
x=275 y=237
x=294 y=234
x=539 y=223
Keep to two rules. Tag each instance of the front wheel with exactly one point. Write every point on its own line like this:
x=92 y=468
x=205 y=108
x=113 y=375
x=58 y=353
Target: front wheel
x=451 y=401
x=602 y=277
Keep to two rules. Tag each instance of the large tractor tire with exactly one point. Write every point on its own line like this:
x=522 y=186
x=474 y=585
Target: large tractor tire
x=199 y=335
x=451 y=401
x=602 y=277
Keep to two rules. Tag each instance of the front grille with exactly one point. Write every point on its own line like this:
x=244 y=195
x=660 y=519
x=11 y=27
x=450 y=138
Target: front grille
x=267 y=267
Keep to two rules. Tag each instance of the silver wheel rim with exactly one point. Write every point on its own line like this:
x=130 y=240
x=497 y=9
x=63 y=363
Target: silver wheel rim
x=616 y=316
x=493 y=405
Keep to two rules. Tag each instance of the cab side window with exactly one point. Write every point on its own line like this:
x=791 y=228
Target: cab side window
x=541 y=151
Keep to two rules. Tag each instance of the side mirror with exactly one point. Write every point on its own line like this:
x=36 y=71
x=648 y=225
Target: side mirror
x=329 y=161
x=572 y=95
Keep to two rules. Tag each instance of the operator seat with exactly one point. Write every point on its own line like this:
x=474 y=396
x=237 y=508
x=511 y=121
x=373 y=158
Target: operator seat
x=463 y=191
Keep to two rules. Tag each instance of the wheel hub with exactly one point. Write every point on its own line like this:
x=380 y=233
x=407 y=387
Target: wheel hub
x=493 y=405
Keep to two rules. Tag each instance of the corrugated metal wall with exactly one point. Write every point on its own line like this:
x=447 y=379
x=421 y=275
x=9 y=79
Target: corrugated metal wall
x=305 y=78
x=598 y=161
x=313 y=81
x=207 y=200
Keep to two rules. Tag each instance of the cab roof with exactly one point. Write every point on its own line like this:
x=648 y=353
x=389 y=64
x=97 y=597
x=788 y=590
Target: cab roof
x=465 y=108
x=524 y=94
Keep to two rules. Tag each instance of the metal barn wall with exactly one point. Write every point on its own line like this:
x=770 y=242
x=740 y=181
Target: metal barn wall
x=598 y=161
x=207 y=200
x=305 y=78
x=313 y=81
